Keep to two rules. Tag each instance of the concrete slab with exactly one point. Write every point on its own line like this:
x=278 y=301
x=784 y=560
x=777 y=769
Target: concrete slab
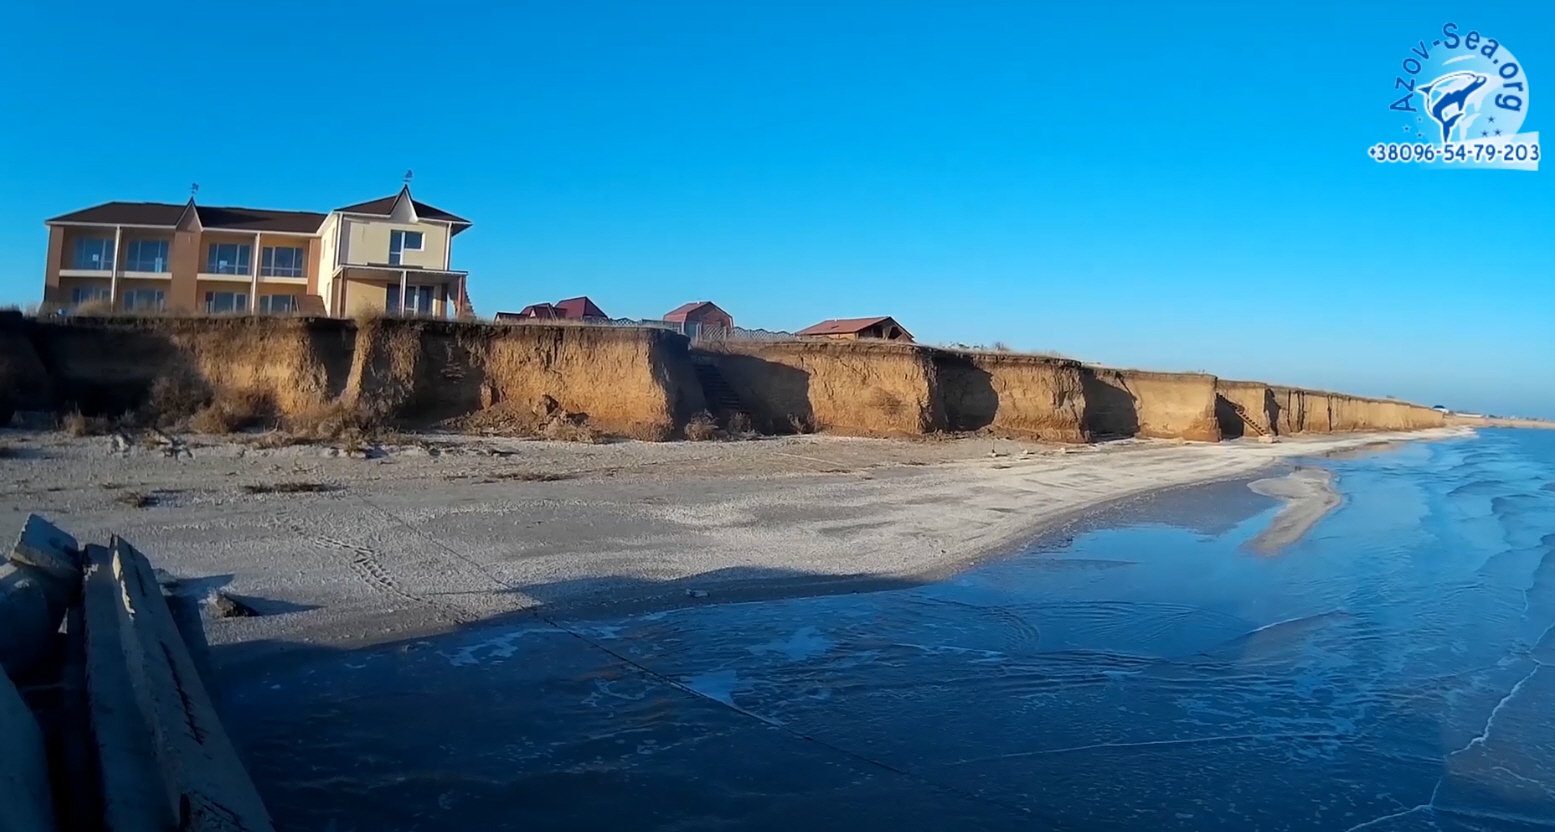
x=200 y=770
x=47 y=547
x=28 y=619
x=132 y=793
x=24 y=770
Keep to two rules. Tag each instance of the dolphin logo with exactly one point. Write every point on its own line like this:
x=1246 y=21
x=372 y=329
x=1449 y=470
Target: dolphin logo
x=1450 y=96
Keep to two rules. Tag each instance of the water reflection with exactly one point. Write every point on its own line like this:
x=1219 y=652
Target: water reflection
x=1389 y=672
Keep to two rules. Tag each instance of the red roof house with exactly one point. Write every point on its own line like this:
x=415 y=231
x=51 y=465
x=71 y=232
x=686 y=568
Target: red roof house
x=701 y=313
x=571 y=309
x=580 y=308
x=884 y=328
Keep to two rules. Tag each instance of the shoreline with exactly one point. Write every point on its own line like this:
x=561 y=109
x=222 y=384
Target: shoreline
x=457 y=532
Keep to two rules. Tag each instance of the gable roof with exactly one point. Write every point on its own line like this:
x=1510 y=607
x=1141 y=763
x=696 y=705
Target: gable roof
x=683 y=311
x=384 y=207
x=848 y=326
x=167 y=215
x=580 y=307
x=544 y=311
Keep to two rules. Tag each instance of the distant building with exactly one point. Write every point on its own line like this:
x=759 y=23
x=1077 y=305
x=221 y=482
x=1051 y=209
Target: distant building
x=883 y=328
x=699 y=315
x=390 y=255
x=571 y=309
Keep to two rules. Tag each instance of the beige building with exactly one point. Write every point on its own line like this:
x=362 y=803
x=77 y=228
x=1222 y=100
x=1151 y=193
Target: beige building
x=389 y=255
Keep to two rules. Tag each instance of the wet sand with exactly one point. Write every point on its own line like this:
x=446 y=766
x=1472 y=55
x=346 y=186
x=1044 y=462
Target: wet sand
x=1308 y=493
x=452 y=530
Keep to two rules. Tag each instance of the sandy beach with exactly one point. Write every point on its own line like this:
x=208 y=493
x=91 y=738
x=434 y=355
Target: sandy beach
x=450 y=530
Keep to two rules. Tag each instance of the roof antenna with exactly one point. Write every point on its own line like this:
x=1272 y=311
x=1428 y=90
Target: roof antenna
x=194 y=188
x=408 y=175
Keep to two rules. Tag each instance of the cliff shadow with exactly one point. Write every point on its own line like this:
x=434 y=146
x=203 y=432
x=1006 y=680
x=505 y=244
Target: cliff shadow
x=776 y=395
x=101 y=368
x=1232 y=425
x=967 y=399
x=1272 y=410
x=333 y=343
x=1110 y=409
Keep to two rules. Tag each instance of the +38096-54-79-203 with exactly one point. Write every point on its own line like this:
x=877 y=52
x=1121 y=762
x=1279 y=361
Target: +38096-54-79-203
x=1465 y=99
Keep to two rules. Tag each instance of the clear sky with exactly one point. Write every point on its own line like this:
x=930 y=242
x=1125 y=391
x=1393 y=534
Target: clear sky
x=1177 y=186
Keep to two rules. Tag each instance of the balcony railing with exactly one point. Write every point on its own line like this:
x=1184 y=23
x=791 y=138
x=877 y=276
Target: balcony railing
x=148 y=264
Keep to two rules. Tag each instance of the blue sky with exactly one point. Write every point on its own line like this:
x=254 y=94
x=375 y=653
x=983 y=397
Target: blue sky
x=1176 y=186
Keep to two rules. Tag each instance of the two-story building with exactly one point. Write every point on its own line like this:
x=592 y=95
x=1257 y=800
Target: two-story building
x=391 y=255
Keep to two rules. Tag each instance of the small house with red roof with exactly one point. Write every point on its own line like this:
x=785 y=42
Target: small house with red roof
x=571 y=309
x=698 y=315
x=883 y=328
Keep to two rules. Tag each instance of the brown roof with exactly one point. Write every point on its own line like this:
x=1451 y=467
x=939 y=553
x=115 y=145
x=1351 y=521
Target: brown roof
x=166 y=214
x=382 y=207
x=544 y=311
x=580 y=307
x=681 y=312
x=846 y=326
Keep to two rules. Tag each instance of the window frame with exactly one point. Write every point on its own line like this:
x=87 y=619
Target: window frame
x=105 y=250
x=270 y=254
x=243 y=254
x=158 y=304
x=239 y=303
x=88 y=294
x=267 y=304
x=134 y=258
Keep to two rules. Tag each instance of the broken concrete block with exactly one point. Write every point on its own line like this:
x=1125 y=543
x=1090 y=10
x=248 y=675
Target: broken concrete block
x=228 y=606
x=29 y=618
x=196 y=761
x=45 y=546
x=24 y=770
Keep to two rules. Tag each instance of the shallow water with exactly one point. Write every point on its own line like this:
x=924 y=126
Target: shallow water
x=1391 y=671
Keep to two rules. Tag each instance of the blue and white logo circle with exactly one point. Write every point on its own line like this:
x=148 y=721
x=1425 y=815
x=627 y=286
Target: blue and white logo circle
x=1466 y=96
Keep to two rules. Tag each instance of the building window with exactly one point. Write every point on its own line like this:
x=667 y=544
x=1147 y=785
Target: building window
x=94 y=253
x=88 y=295
x=277 y=304
x=403 y=241
x=282 y=262
x=146 y=256
x=228 y=258
x=144 y=300
x=226 y=301
x=418 y=300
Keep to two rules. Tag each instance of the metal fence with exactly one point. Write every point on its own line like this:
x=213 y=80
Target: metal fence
x=699 y=333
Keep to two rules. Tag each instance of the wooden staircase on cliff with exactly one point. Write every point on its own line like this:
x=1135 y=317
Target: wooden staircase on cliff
x=1248 y=422
x=722 y=401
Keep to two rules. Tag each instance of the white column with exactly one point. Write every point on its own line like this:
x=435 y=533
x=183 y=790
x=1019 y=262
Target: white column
x=253 y=290
x=402 y=291
x=113 y=275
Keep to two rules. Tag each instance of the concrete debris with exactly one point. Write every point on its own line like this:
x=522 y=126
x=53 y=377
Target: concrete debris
x=45 y=546
x=228 y=606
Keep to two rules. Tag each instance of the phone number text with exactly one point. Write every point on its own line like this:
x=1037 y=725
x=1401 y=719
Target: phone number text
x=1451 y=153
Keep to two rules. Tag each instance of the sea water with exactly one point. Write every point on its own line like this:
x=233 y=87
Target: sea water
x=1146 y=670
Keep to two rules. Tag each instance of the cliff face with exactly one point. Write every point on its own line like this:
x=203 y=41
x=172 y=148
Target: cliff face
x=1289 y=410
x=1159 y=405
x=631 y=382
x=111 y=366
x=1011 y=395
x=1246 y=408
x=24 y=383
x=637 y=382
x=849 y=387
